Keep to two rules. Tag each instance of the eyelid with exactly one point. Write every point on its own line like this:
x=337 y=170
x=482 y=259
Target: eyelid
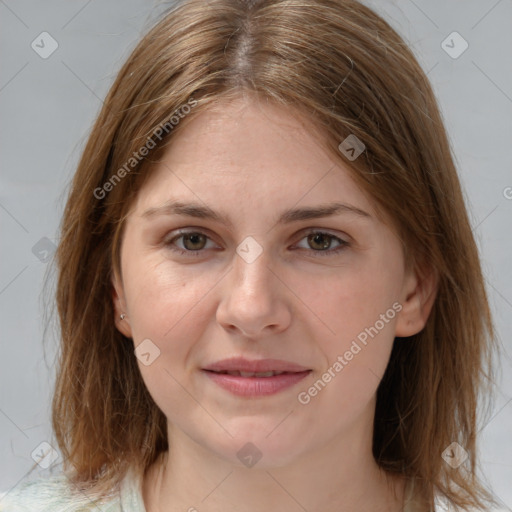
x=179 y=233
x=327 y=252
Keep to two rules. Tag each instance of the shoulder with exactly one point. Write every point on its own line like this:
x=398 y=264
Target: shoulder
x=53 y=494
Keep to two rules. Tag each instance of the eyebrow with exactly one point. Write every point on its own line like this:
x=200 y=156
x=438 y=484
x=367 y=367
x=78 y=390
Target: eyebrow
x=288 y=216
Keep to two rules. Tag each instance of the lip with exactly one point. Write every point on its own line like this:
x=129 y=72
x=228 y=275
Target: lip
x=255 y=365
x=255 y=386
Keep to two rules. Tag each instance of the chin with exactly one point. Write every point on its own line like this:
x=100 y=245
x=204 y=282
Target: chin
x=252 y=447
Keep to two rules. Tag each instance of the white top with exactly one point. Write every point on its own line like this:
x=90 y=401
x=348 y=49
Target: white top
x=54 y=494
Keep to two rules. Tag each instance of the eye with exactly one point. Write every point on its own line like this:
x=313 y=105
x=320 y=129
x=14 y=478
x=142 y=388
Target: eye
x=195 y=242
x=321 y=242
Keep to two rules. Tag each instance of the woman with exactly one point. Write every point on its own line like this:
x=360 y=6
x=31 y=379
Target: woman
x=269 y=292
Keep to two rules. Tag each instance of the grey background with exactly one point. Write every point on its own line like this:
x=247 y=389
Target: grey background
x=47 y=107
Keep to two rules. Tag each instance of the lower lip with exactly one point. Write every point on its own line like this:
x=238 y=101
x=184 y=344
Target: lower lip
x=256 y=386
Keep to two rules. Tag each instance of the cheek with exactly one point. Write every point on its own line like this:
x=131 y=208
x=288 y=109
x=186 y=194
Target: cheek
x=165 y=302
x=169 y=309
x=347 y=301
x=356 y=332
x=357 y=354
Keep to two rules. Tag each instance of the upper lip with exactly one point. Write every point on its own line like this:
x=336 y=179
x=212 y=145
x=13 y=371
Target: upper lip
x=255 y=366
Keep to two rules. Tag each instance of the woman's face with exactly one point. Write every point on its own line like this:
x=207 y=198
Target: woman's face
x=247 y=267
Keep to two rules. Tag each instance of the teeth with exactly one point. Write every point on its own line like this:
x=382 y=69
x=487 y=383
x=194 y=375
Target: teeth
x=261 y=374
x=253 y=374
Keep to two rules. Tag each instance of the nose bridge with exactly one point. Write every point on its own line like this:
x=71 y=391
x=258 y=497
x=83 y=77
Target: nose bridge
x=251 y=300
x=252 y=277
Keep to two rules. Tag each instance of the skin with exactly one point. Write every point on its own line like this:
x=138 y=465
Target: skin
x=250 y=161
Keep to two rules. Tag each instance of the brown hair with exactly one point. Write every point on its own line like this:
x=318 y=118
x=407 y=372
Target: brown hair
x=345 y=70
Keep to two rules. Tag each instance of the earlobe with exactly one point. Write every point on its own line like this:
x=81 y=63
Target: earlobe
x=121 y=319
x=418 y=298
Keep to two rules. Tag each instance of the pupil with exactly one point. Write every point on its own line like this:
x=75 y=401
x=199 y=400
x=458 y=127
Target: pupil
x=315 y=239
x=193 y=238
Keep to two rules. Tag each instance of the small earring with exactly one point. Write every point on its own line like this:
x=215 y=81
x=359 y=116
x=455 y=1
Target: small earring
x=123 y=316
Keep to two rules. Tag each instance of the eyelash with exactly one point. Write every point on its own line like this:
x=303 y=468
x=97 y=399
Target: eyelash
x=324 y=253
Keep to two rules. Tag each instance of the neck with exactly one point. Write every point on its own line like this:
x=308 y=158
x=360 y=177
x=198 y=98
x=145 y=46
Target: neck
x=339 y=476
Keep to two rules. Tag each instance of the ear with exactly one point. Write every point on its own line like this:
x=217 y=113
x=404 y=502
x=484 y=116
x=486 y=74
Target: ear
x=418 y=295
x=119 y=301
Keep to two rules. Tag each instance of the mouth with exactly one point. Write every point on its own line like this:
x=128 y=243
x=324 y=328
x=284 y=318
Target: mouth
x=240 y=373
x=255 y=378
x=261 y=366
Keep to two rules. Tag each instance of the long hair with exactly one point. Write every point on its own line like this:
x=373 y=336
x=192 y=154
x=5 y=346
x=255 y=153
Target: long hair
x=343 y=68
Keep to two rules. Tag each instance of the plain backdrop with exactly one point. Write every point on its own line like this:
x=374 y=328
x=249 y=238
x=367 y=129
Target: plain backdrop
x=47 y=106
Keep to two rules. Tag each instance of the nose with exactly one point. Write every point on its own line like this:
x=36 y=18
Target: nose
x=254 y=300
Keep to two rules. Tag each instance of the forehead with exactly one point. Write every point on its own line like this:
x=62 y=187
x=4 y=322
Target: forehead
x=250 y=156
